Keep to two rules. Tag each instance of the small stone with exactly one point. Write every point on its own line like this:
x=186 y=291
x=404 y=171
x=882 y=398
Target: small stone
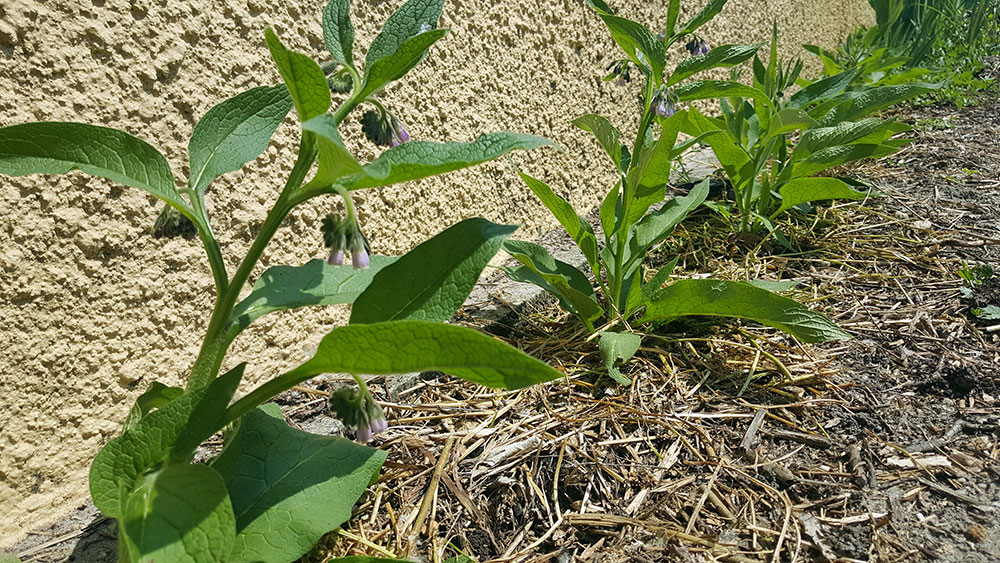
x=976 y=533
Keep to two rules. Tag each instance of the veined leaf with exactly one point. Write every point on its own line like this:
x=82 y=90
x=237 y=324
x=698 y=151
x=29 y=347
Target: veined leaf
x=617 y=347
x=722 y=298
x=570 y=284
x=411 y=19
x=722 y=56
x=419 y=159
x=871 y=100
x=235 y=132
x=710 y=10
x=821 y=89
x=304 y=78
x=606 y=133
x=640 y=44
x=173 y=431
x=289 y=487
x=577 y=227
x=414 y=346
x=734 y=160
x=57 y=148
x=432 y=281
x=180 y=513
x=835 y=156
x=804 y=190
x=658 y=225
x=709 y=89
x=155 y=397
x=841 y=134
x=673 y=12
x=655 y=160
x=789 y=120
x=395 y=66
x=335 y=161
x=338 y=31
x=291 y=287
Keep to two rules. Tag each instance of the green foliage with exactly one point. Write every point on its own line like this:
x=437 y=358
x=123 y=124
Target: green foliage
x=631 y=230
x=981 y=291
x=274 y=491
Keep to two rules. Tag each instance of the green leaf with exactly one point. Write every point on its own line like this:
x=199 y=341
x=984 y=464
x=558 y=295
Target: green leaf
x=155 y=397
x=173 y=431
x=609 y=211
x=709 y=89
x=338 y=31
x=835 y=156
x=821 y=90
x=734 y=160
x=722 y=298
x=235 y=132
x=577 y=227
x=180 y=513
x=433 y=280
x=11 y=558
x=365 y=559
x=655 y=160
x=419 y=159
x=416 y=346
x=606 y=134
x=335 y=161
x=789 y=120
x=658 y=225
x=615 y=347
x=291 y=287
x=57 y=148
x=704 y=16
x=841 y=134
x=722 y=56
x=411 y=19
x=639 y=43
x=804 y=190
x=652 y=287
x=871 y=100
x=571 y=285
x=988 y=313
x=289 y=487
x=396 y=65
x=601 y=7
x=304 y=78
x=673 y=12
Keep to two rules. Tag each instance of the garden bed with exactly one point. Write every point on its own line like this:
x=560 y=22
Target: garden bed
x=734 y=443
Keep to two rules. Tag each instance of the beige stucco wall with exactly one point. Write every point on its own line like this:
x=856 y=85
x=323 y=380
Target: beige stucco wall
x=92 y=308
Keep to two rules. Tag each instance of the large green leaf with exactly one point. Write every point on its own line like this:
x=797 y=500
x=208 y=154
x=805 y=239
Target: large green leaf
x=704 y=16
x=335 y=161
x=419 y=159
x=734 y=160
x=180 y=513
x=639 y=43
x=606 y=133
x=821 y=89
x=415 y=346
x=741 y=300
x=710 y=89
x=655 y=160
x=338 y=31
x=411 y=19
x=804 y=190
x=235 y=132
x=395 y=66
x=432 y=281
x=577 y=227
x=617 y=347
x=304 y=78
x=570 y=284
x=658 y=225
x=289 y=487
x=173 y=432
x=57 y=148
x=291 y=287
x=841 y=134
x=866 y=102
x=835 y=156
x=155 y=397
x=722 y=56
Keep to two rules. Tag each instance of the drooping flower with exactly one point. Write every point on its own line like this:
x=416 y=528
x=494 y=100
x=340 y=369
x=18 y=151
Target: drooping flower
x=697 y=46
x=359 y=412
x=342 y=236
x=662 y=104
x=619 y=72
x=383 y=129
x=399 y=134
x=359 y=252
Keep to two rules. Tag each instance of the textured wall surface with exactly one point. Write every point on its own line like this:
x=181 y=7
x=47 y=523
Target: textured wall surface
x=93 y=308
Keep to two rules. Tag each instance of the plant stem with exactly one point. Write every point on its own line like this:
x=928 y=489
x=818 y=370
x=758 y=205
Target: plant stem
x=211 y=245
x=214 y=347
x=269 y=389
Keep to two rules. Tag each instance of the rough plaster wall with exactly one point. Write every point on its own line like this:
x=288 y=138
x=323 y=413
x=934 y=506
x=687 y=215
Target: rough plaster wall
x=93 y=308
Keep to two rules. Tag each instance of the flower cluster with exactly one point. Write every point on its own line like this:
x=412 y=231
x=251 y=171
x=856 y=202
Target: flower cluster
x=344 y=235
x=172 y=223
x=662 y=103
x=358 y=411
x=619 y=72
x=697 y=46
x=383 y=129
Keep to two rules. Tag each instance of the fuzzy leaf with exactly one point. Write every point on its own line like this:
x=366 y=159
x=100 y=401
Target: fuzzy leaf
x=157 y=396
x=741 y=300
x=571 y=286
x=640 y=45
x=57 y=148
x=415 y=346
x=304 y=78
x=289 y=487
x=291 y=287
x=615 y=347
x=704 y=16
x=335 y=161
x=412 y=18
x=658 y=225
x=419 y=159
x=235 y=132
x=432 y=281
x=804 y=190
x=338 y=31
x=180 y=513
x=722 y=56
x=395 y=66
x=606 y=133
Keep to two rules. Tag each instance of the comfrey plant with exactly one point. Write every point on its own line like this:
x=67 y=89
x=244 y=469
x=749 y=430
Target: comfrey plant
x=630 y=230
x=752 y=139
x=274 y=491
